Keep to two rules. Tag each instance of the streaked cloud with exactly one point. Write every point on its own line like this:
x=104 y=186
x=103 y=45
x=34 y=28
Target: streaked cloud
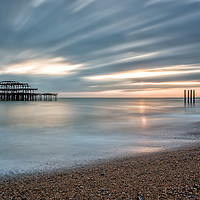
x=101 y=48
x=38 y=2
x=80 y=4
x=48 y=66
x=167 y=71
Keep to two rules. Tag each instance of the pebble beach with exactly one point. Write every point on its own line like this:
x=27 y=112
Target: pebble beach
x=174 y=174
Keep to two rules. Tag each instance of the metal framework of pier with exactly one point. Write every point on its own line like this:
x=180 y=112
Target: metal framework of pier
x=16 y=91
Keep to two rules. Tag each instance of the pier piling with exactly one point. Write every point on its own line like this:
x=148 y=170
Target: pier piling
x=194 y=96
x=184 y=96
x=190 y=96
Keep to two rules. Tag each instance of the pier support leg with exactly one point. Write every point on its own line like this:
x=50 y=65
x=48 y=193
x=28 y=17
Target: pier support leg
x=194 y=96
x=184 y=96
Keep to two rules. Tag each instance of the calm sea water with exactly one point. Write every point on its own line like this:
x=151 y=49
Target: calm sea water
x=38 y=136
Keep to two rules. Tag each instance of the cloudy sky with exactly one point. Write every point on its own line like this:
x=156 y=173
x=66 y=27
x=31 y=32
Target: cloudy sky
x=102 y=48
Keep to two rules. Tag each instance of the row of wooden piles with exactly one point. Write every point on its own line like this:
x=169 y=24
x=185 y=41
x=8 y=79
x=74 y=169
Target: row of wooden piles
x=189 y=96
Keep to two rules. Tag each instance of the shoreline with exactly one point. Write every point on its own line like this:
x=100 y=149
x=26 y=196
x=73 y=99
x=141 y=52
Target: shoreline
x=170 y=174
x=93 y=163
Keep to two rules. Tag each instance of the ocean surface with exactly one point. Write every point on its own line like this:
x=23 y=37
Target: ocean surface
x=40 y=136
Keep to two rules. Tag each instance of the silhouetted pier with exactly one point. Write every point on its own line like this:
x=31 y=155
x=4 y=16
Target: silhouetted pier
x=16 y=91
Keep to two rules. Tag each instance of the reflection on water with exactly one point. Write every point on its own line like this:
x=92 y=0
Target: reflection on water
x=47 y=135
x=33 y=114
x=149 y=149
x=144 y=121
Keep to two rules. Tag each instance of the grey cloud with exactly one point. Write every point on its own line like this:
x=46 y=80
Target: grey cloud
x=171 y=78
x=97 y=33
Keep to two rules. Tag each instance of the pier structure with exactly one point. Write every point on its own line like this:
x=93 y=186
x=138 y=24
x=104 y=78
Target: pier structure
x=189 y=96
x=16 y=91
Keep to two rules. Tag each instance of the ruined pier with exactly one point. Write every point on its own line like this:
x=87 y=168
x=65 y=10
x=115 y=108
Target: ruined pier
x=16 y=91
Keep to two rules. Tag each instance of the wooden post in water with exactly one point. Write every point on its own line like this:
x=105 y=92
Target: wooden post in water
x=194 y=96
x=184 y=96
x=188 y=96
x=191 y=96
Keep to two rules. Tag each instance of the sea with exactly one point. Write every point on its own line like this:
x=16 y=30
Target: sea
x=41 y=136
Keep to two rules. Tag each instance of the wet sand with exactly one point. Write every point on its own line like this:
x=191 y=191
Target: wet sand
x=167 y=175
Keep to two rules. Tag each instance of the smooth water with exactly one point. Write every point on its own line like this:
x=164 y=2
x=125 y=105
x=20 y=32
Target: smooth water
x=38 y=136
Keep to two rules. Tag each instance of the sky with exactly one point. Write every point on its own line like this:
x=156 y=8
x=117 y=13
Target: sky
x=102 y=48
